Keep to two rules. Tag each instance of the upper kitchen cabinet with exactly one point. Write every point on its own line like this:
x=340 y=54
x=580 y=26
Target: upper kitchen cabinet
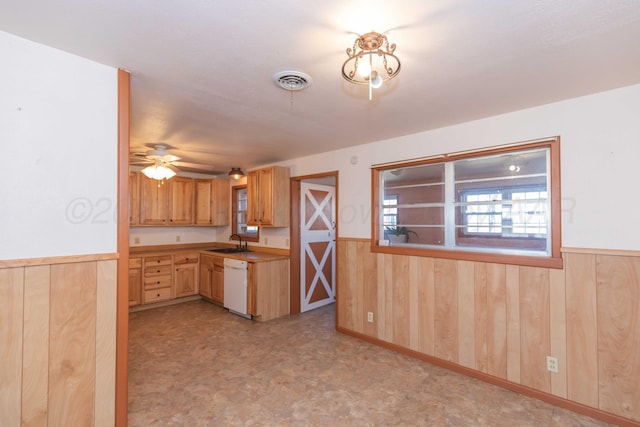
x=212 y=202
x=181 y=200
x=268 y=197
x=134 y=197
x=166 y=202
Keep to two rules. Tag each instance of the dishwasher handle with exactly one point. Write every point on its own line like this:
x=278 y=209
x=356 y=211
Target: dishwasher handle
x=236 y=264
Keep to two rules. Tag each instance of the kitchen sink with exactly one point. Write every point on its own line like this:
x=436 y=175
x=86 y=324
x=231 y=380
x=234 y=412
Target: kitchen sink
x=227 y=250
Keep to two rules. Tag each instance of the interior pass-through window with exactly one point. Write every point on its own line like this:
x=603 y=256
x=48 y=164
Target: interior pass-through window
x=500 y=204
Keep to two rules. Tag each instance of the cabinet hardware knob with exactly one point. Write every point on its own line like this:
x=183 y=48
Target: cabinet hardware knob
x=158 y=271
x=158 y=282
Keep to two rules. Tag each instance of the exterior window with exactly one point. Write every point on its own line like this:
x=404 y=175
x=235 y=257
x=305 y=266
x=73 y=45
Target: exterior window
x=239 y=226
x=483 y=213
x=390 y=210
x=505 y=212
x=494 y=205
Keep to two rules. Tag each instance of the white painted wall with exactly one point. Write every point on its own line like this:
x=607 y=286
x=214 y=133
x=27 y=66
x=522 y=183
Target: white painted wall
x=151 y=236
x=600 y=151
x=600 y=148
x=58 y=142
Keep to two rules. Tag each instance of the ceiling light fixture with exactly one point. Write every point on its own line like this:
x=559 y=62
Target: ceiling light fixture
x=236 y=173
x=158 y=171
x=371 y=61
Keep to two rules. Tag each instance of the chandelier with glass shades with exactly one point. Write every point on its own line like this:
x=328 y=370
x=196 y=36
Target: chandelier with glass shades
x=371 y=61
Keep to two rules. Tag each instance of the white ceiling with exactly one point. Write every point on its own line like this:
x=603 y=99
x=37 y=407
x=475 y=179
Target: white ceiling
x=201 y=69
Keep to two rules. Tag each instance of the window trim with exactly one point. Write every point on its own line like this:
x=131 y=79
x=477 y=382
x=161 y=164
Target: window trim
x=552 y=261
x=234 y=215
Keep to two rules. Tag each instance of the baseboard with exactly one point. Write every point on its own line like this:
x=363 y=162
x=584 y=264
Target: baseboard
x=143 y=307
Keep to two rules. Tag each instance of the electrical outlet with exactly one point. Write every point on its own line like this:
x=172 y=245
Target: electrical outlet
x=266 y=241
x=177 y=238
x=370 y=316
x=286 y=242
x=136 y=240
x=552 y=364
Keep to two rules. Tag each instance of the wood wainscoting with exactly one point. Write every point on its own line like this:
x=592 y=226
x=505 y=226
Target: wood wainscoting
x=57 y=341
x=500 y=322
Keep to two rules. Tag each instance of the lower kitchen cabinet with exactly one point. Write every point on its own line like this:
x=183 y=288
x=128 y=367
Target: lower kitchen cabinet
x=217 y=286
x=158 y=278
x=205 y=278
x=135 y=281
x=186 y=274
x=268 y=289
x=171 y=274
x=211 y=279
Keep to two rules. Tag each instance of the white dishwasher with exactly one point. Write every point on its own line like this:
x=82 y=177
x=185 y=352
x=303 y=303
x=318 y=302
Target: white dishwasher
x=235 y=286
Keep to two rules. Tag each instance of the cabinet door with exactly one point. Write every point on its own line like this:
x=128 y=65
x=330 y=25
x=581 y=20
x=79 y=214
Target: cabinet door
x=134 y=198
x=154 y=201
x=252 y=199
x=280 y=197
x=203 y=202
x=268 y=197
x=181 y=201
x=185 y=279
x=205 y=278
x=135 y=281
x=265 y=196
x=220 y=201
x=217 y=286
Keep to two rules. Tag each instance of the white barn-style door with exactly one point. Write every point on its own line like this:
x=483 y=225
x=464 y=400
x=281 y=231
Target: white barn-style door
x=317 y=246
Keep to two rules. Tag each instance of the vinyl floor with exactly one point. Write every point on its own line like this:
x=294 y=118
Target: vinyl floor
x=194 y=364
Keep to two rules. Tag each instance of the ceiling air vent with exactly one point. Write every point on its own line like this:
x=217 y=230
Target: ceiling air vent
x=292 y=80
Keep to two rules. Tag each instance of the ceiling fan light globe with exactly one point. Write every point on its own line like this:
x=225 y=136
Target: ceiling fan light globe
x=376 y=80
x=364 y=69
x=158 y=172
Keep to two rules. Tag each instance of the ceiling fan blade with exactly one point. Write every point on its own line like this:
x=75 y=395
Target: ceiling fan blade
x=196 y=167
x=172 y=167
x=139 y=161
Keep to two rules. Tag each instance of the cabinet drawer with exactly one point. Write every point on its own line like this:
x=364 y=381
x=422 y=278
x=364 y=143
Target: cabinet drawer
x=157 y=260
x=135 y=262
x=206 y=261
x=189 y=258
x=159 y=270
x=157 y=282
x=155 y=295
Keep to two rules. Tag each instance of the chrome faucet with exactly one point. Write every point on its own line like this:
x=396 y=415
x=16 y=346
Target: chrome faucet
x=239 y=241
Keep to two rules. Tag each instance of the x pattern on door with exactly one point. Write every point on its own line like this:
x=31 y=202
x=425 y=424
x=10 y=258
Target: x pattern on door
x=318 y=246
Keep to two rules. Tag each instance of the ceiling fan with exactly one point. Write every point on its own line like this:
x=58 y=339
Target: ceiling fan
x=160 y=164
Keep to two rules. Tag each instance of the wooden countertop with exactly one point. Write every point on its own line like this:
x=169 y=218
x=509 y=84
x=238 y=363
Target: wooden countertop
x=256 y=254
x=252 y=256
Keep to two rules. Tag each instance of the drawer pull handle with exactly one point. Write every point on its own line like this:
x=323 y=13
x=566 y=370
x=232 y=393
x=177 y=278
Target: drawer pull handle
x=158 y=271
x=158 y=282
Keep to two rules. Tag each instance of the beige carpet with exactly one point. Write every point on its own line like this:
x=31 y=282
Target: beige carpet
x=194 y=364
